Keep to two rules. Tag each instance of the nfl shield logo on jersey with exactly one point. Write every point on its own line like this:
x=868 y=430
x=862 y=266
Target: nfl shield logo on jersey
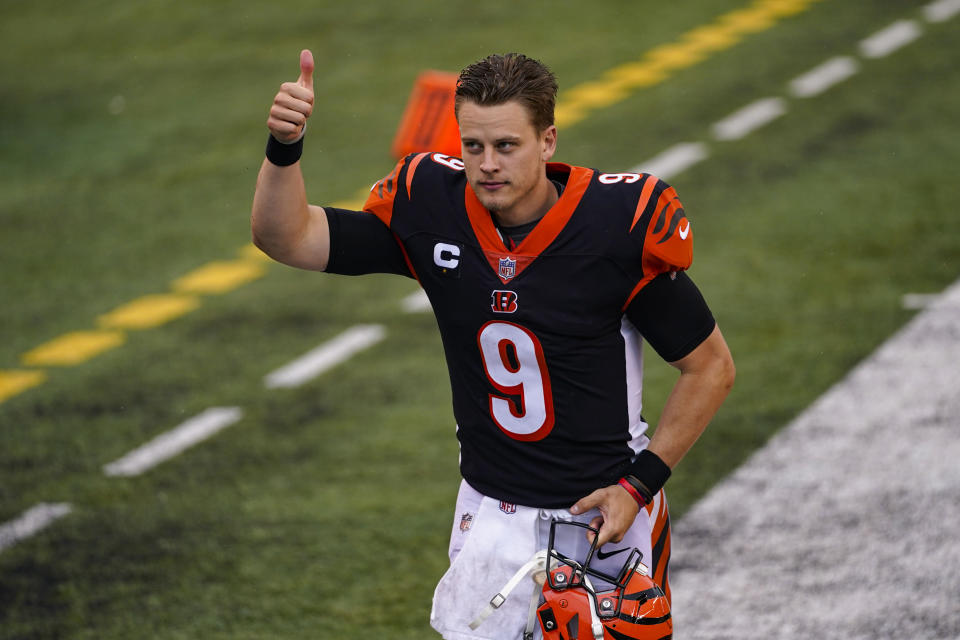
x=508 y=268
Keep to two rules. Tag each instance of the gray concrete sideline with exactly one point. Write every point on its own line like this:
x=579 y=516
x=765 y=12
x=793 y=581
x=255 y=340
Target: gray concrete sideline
x=847 y=523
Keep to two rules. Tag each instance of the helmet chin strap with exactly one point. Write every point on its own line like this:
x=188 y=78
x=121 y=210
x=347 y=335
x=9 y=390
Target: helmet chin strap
x=535 y=567
x=595 y=625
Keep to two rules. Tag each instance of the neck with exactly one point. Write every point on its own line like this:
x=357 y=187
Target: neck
x=542 y=198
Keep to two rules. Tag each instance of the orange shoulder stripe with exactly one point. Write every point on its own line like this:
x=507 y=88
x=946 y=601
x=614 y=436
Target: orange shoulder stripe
x=388 y=181
x=648 y=186
x=666 y=204
x=410 y=170
x=382 y=194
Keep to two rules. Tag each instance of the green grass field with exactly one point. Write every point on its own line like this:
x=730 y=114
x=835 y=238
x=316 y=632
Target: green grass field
x=130 y=138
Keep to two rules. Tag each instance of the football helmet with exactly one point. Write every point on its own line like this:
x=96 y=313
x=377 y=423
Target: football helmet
x=582 y=603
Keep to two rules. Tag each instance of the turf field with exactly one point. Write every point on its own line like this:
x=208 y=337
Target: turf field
x=130 y=138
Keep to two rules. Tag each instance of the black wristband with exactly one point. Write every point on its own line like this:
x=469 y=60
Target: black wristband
x=649 y=472
x=283 y=155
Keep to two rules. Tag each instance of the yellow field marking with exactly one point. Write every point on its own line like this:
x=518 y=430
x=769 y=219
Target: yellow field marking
x=750 y=20
x=252 y=252
x=14 y=382
x=149 y=311
x=711 y=38
x=145 y=312
x=73 y=348
x=219 y=277
x=694 y=46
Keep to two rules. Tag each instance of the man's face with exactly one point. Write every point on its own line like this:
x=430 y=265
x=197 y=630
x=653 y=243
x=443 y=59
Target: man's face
x=505 y=157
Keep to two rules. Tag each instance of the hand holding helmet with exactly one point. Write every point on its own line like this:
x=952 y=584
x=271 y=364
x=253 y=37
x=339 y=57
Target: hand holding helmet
x=582 y=603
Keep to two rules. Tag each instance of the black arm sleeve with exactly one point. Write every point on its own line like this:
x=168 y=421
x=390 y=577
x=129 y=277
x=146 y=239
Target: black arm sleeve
x=672 y=315
x=360 y=243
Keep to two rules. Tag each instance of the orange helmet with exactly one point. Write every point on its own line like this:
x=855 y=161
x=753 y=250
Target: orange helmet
x=582 y=603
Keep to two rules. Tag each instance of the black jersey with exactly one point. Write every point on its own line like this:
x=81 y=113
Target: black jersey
x=545 y=365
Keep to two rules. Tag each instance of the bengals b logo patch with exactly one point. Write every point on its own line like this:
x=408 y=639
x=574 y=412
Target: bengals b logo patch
x=503 y=301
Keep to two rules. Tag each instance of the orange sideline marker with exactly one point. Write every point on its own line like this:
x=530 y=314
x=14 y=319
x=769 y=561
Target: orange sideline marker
x=428 y=122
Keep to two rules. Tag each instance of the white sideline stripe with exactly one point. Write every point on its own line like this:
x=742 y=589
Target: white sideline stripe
x=416 y=302
x=888 y=40
x=941 y=11
x=674 y=160
x=174 y=442
x=749 y=118
x=326 y=356
x=32 y=521
x=824 y=76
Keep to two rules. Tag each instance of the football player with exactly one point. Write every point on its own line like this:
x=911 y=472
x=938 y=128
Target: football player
x=544 y=279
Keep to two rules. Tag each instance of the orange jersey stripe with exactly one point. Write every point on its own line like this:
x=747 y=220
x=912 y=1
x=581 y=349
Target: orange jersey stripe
x=388 y=181
x=411 y=169
x=660 y=542
x=382 y=194
x=648 y=186
x=667 y=204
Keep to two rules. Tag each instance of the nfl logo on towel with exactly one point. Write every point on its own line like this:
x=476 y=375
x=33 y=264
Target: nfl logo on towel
x=508 y=268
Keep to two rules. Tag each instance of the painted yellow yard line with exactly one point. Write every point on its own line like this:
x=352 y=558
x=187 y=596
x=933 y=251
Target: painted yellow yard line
x=18 y=381
x=146 y=312
x=220 y=277
x=249 y=251
x=149 y=311
x=659 y=63
x=73 y=348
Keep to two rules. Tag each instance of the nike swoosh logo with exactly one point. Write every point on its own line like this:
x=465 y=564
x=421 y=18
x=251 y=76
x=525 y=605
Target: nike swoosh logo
x=603 y=556
x=684 y=231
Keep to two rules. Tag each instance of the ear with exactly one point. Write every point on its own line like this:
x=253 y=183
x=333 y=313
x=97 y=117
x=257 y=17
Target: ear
x=548 y=141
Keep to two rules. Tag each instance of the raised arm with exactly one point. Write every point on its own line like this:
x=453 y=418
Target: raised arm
x=284 y=225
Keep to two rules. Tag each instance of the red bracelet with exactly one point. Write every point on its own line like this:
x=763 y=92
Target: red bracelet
x=636 y=495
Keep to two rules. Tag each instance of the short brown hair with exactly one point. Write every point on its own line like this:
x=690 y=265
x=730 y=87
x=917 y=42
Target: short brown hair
x=500 y=78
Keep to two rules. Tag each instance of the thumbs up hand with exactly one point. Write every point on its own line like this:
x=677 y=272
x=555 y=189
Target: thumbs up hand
x=293 y=104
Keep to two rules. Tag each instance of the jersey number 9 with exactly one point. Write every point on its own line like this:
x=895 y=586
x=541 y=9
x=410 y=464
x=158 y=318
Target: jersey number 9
x=514 y=363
